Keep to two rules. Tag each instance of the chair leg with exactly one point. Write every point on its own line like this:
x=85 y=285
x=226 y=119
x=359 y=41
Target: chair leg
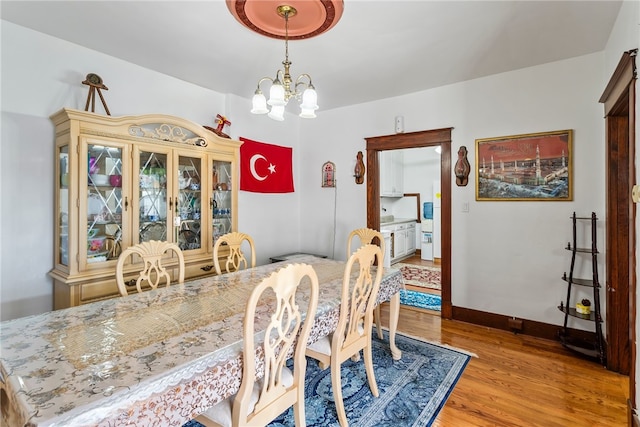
x=376 y=318
x=206 y=421
x=337 y=393
x=368 y=364
x=298 y=409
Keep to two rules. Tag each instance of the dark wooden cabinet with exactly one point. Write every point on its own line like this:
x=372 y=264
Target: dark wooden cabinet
x=591 y=347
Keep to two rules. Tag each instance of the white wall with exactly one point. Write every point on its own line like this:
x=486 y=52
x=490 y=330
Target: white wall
x=272 y=220
x=507 y=257
x=42 y=74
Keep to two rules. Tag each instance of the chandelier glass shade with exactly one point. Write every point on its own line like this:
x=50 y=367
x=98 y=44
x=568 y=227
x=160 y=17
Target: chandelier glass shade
x=283 y=87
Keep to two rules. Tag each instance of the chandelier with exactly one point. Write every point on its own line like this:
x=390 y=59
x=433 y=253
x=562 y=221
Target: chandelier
x=283 y=88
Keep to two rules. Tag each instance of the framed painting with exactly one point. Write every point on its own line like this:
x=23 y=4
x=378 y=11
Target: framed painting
x=529 y=167
x=329 y=174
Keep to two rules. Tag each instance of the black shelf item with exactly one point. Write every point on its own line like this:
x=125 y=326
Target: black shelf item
x=591 y=348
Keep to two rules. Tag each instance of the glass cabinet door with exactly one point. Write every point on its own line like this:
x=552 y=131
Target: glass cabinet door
x=153 y=212
x=189 y=207
x=105 y=202
x=221 y=199
x=63 y=206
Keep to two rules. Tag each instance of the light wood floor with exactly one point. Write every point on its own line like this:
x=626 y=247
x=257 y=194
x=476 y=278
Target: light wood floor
x=518 y=380
x=415 y=259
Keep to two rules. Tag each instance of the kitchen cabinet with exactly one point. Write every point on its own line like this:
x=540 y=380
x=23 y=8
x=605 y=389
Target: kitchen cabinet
x=411 y=238
x=125 y=180
x=391 y=173
x=400 y=241
x=403 y=239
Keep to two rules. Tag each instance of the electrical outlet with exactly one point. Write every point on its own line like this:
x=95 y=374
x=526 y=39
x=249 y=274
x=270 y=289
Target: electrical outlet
x=515 y=324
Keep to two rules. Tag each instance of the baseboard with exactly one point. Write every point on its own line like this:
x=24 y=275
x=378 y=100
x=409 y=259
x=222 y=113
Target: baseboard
x=528 y=327
x=634 y=421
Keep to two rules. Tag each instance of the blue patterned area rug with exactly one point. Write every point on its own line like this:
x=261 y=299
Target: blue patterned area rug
x=412 y=390
x=420 y=300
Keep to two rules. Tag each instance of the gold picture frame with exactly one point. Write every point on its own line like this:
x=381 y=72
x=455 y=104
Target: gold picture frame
x=528 y=167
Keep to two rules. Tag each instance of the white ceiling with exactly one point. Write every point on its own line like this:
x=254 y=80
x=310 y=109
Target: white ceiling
x=379 y=49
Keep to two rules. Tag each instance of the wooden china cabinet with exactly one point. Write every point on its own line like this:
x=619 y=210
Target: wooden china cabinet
x=124 y=180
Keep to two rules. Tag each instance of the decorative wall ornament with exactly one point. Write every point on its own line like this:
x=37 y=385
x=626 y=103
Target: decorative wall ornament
x=462 y=167
x=358 y=171
x=95 y=83
x=221 y=121
x=329 y=174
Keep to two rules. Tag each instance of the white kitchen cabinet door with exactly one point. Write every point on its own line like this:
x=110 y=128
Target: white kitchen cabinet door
x=400 y=241
x=391 y=173
x=411 y=239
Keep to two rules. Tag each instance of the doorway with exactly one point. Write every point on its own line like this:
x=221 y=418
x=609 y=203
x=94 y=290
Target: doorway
x=429 y=138
x=619 y=101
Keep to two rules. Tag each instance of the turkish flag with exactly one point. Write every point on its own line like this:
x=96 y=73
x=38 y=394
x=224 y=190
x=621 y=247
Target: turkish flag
x=265 y=168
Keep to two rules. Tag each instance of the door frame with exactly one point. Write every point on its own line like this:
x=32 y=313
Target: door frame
x=427 y=138
x=619 y=105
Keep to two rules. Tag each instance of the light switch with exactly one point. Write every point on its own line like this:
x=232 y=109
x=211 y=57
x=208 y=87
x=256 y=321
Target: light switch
x=635 y=193
x=465 y=207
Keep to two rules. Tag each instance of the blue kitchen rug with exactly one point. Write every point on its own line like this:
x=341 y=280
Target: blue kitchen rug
x=420 y=300
x=412 y=390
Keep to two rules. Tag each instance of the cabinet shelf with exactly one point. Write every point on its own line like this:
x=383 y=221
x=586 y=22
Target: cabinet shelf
x=586 y=348
x=574 y=313
x=582 y=250
x=581 y=282
x=594 y=348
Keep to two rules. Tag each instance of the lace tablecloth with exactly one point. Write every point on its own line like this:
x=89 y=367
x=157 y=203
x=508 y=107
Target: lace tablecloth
x=156 y=358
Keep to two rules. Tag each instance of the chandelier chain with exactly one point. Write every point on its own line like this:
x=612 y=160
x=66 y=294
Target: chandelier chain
x=286 y=36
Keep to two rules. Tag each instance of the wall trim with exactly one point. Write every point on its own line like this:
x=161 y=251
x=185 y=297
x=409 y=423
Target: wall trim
x=529 y=327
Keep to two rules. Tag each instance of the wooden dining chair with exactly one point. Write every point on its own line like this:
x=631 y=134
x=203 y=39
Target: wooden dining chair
x=366 y=236
x=235 y=260
x=353 y=332
x=259 y=401
x=154 y=272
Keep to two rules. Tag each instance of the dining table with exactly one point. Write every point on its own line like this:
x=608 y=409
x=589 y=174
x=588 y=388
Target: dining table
x=157 y=358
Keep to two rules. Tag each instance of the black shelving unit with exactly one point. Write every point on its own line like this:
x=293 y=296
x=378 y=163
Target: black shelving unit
x=591 y=348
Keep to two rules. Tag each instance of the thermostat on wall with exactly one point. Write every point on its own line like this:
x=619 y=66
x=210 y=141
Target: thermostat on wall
x=399 y=124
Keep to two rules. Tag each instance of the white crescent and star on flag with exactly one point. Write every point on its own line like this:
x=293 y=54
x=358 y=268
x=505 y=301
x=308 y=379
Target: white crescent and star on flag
x=252 y=167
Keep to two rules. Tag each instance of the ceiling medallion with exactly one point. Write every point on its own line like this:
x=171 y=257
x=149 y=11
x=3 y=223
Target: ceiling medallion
x=313 y=17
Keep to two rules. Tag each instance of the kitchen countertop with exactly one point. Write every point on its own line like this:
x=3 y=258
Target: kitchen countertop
x=397 y=221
